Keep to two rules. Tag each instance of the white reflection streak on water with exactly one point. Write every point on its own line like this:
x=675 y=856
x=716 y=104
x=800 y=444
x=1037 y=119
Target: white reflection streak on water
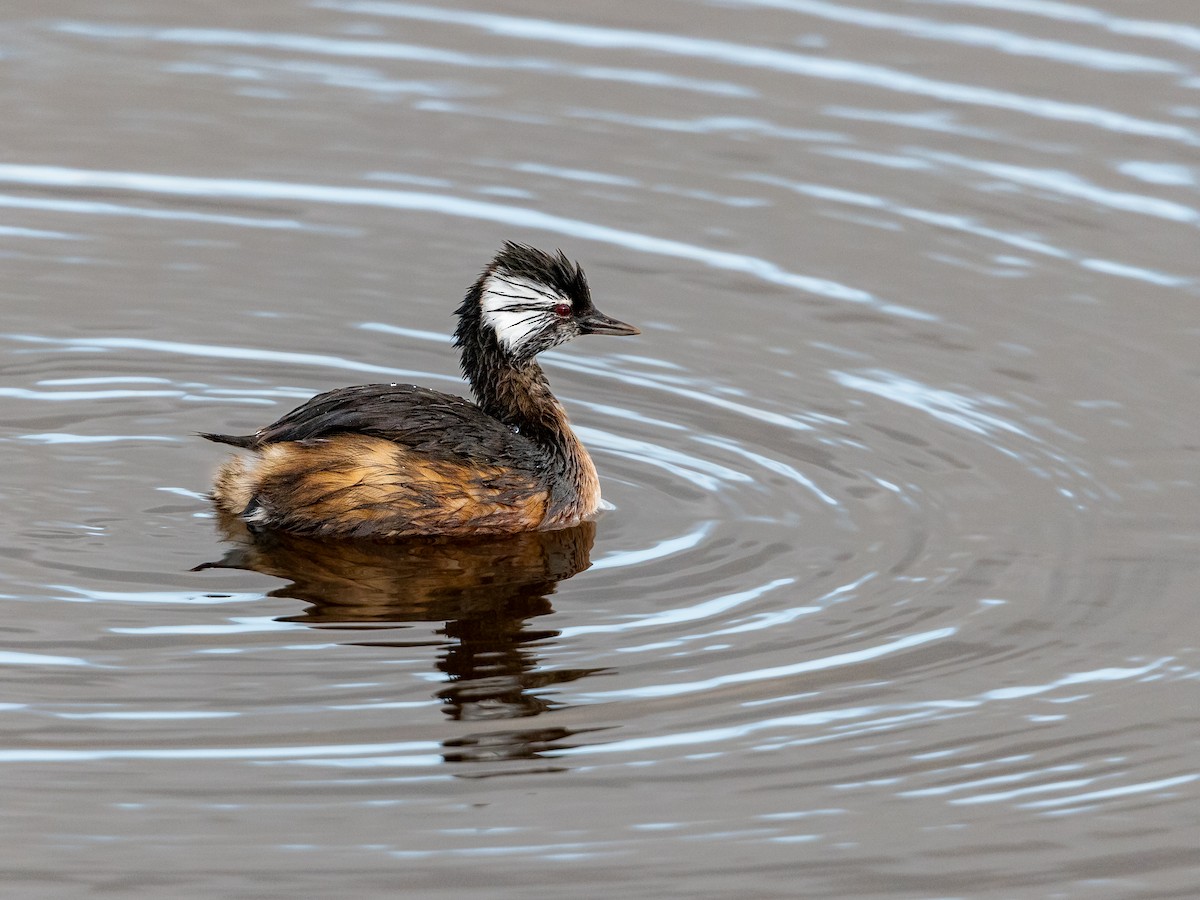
x=629 y=415
x=150 y=715
x=594 y=366
x=678 y=615
x=953 y=222
x=104 y=379
x=769 y=620
x=185 y=186
x=992 y=780
x=419 y=334
x=755 y=622
x=950 y=407
x=708 y=476
x=236 y=625
x=771 y=465
x=1070 y=185
x=56 y=438
x=1049 y=787
x=703 y=125
x=1123 y=791
x=849 y=658
x=50 y=754
x=16 y=658
x=200 y=350
x=304 y=43
x=70 y=396
x=963 y=411
x=256 y=69
x=37 y=234
x=975 y=36
x=937 y=120
x=927 y=216
x=1181 y=33
x=664 y=548
x=259 y=70
x=190 y=598
x=878 y=77
x=97 y=208
x=1015 y=793
x=721 y=735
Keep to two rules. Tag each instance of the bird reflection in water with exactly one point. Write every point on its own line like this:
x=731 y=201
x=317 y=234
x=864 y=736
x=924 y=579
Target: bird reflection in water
x=485 y=590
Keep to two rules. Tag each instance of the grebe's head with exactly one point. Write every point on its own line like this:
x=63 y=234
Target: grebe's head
x=530 y=301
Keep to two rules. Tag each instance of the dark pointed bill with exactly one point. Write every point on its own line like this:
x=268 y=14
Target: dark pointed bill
x=597 y=322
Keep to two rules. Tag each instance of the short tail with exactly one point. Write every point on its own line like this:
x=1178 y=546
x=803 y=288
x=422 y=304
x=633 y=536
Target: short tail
x=245 y=441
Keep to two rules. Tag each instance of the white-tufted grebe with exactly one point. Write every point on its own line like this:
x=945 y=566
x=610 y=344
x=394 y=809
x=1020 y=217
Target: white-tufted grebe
x=395 y=460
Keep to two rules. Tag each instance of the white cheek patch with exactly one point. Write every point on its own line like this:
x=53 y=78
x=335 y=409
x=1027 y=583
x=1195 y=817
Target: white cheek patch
x=517 y=308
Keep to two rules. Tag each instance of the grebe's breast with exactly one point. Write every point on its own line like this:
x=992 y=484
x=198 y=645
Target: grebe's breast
x=395 y=460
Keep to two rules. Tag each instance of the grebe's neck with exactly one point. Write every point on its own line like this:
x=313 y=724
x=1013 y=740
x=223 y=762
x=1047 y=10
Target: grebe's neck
x=517 y=393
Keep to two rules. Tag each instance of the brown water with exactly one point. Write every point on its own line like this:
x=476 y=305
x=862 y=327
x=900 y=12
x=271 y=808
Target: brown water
x=899 y=595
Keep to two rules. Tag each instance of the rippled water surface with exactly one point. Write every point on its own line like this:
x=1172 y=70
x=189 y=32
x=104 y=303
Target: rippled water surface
x=898 y=597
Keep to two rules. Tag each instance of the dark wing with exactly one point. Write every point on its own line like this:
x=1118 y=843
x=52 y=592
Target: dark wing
x=438 y=425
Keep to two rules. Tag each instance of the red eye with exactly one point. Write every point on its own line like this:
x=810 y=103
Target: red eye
x=563 y=310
